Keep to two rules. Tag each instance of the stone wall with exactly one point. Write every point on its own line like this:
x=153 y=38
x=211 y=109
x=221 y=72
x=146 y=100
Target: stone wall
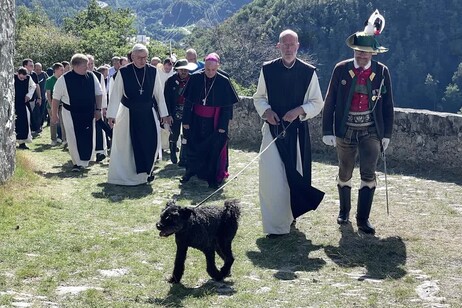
x=421 y=138
x=7 y=137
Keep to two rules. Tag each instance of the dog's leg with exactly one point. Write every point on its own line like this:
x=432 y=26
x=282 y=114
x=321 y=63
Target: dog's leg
x=211 y=266
x=178 y=269
x=225 y=247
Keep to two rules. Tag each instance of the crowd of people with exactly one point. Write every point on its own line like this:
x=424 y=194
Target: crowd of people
x=138 y=106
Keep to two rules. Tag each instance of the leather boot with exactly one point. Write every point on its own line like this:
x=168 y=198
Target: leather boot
x=173 y=157
x=365 y=197
x=345 y=204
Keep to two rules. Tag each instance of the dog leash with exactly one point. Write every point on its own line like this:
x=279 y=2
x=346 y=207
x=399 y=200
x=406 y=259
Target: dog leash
x=280 y=135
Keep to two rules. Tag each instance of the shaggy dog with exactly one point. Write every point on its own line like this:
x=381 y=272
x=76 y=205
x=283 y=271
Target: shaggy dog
x=207 y=228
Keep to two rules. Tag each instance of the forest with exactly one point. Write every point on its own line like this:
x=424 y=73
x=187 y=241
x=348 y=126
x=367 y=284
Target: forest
x=424 y=38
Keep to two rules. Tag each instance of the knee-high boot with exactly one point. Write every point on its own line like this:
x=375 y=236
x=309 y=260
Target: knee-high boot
x=345 y=204
x=365 y=197
x=173 y=157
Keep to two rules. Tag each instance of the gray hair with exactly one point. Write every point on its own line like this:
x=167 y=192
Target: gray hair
x=139 y=47
x=288 y=32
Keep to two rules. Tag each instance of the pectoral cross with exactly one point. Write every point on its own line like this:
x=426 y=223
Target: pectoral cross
x=141 y=91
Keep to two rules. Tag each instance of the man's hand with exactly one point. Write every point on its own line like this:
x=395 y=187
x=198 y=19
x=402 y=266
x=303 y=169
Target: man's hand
x=221 y=130
x=186 y=126
x=26 y=99
x=97 y=114
x=167 y=120
x=111 y=122
x=293 y=114
x=329 y=140
x=54 y=119
x=38 y=101
x=271 y=117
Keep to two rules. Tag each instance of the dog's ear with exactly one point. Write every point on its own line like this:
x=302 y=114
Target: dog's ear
x=185 y=212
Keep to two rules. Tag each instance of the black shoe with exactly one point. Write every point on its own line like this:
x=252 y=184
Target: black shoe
x=100 y=157
x=23 y=146
x=186 y=177
x=366 y=227
x=151 y=178
x=292 y=225
x=274 y=236
x=76 y=168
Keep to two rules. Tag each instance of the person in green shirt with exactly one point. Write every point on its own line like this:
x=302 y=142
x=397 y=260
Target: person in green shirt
x=58 y=70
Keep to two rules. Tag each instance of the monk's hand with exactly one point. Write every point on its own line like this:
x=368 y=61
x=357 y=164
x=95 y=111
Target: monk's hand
x=221 y=130
x=26 y=99
x=186 y=126
x=54 y=119
x=293 y=114
x=111 y=122
x=167 y=120
x=271 y=117
x=97 y=114
x=104 y=112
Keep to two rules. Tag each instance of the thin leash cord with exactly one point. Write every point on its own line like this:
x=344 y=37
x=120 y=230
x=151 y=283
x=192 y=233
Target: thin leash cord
x=246 y=166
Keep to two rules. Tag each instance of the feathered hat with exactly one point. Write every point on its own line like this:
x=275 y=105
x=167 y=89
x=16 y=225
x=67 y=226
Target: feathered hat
x=365 y=40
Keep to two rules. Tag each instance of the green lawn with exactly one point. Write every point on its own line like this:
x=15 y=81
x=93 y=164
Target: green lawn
x=71 y=240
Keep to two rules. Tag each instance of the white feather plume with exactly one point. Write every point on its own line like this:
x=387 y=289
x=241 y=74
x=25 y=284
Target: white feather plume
x=375 y=24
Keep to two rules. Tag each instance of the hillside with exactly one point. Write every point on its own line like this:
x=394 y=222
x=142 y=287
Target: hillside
x=160 y=19
x=424 y=40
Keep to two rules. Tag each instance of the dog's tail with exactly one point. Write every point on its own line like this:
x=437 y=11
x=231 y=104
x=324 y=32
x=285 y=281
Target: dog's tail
x=232 y=212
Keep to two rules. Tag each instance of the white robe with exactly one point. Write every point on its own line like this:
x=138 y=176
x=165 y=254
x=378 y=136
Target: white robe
x=122 y=167
x=274 y=193
x=60 y=93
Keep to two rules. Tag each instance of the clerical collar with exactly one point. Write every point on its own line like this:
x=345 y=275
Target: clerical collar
x=357 y=66
x=288 y=67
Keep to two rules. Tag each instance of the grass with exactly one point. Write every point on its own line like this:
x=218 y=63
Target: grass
x=59 y=230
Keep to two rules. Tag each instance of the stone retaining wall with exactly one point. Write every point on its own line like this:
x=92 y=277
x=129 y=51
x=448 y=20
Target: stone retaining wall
x=421 y=138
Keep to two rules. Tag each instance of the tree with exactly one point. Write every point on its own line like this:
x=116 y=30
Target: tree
x=102 y=32
x=452 y=100
x=40 y=40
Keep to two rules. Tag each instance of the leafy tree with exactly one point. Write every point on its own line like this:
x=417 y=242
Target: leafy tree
x=103 y=32
x=452 y=100
x=37 y=38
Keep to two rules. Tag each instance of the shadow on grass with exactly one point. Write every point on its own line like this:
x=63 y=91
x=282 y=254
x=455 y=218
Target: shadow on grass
x=195 y=190
x=382 y=258
x=63 y=171
x=286 y=254
x=118 y=193
x=178 y=292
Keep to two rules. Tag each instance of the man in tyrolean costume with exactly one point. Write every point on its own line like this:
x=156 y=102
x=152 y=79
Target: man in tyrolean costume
x=174 y=98
x=358 y=119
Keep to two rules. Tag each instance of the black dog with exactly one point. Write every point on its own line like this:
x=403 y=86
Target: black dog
x=207 y=228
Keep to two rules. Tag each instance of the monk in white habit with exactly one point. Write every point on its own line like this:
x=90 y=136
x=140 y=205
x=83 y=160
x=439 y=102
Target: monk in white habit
x=288 y=94
x=136 y=102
